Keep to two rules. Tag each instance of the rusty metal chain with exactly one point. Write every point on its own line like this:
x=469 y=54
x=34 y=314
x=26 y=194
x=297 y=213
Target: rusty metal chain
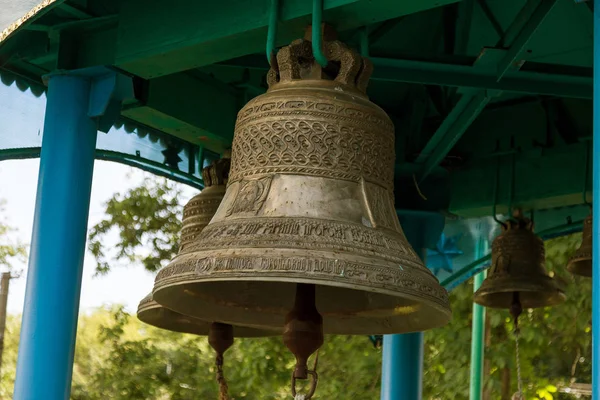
x=223 y=388
x=313 y=384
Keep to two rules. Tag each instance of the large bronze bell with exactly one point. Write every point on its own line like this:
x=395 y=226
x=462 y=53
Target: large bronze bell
x=518 y=272
x=581 y=262
x=309 y=201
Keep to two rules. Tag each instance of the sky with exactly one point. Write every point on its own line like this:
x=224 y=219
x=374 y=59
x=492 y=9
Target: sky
x=21 y=122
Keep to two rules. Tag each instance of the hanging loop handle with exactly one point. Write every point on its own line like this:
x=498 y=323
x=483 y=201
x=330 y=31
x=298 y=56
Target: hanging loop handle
x=272 y=30
x=496 y=184
x=317 y=37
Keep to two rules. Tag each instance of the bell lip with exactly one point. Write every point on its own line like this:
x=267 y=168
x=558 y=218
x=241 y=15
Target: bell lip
x=443 y=312
x=150 y=313
x=580 y=266
x=484 y=296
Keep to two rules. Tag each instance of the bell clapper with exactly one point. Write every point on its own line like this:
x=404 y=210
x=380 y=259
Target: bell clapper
x=515 y=310
x=220 y=338
x=303 y=335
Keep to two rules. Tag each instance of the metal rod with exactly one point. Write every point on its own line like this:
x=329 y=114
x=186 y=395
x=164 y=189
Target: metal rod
x=47 y=344
x=317 y=37
x=364 y=41
x=596 y=212
x=478 y=330
x=272 y=32
x=457 y=74
x=4 y=285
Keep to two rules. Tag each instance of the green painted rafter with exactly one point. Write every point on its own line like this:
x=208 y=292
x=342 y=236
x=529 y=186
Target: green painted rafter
x=470 y=105
x=229 y=28
x=457 y=74
x=191 y=107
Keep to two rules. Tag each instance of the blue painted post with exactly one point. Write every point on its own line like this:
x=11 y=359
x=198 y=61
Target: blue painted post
x=47 y=345
x=596 y=213
x=402 y=364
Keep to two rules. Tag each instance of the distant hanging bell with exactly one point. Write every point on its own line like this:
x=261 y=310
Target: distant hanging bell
x=518 y=271
x=309 y=201
x=581 y=262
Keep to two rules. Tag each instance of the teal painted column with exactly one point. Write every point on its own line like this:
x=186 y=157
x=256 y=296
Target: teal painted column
x=402 y=363
x=78 y=104
x=478 y=331
x=47 y=344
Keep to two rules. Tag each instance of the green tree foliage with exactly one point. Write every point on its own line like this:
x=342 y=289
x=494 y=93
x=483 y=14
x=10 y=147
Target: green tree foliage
x=10 y=249
x=135 y=361
x=148 y=220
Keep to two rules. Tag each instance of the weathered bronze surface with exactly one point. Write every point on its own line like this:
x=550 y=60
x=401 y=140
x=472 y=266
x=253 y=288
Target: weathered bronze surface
x=152 y=313
x=201 y=208
x=518 y=269
x=581 y=262
x=309 y=200
x=197 y=213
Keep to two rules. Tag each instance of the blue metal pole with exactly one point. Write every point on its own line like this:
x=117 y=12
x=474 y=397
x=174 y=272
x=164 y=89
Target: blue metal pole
x=47 y=345
x=596 y=213
x=402 y=367
x=402 y=363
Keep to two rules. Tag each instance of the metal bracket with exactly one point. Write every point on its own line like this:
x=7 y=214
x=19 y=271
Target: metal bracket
x=109 y=88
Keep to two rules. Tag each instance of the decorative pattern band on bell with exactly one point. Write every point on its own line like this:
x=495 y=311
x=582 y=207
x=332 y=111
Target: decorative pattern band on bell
x=309 y=200
x=518 y=270
x=581 y=262
x=201 y=208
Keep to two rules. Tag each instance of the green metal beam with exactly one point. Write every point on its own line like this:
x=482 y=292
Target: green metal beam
x=451 y=130
x=518 y=45
x=157 y=38
x=191 y=107
x=545 y=178
x=471 y=104
x=144 y=164
x=455 y=73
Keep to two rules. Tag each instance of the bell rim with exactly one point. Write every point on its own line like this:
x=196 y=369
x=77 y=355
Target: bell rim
x=442 y=313
x=484 y=296
x=195 y=327
x=575 y=268
x=197 y=266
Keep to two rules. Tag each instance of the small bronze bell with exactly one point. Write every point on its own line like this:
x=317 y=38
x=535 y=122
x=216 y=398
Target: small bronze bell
x=581 y=262
x=309 y=201
x=518 y=270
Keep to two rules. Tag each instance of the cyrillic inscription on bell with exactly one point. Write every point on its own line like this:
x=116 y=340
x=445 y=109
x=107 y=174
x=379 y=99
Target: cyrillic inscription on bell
x=518 y=270
x=309 y=200
x=581 y=262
